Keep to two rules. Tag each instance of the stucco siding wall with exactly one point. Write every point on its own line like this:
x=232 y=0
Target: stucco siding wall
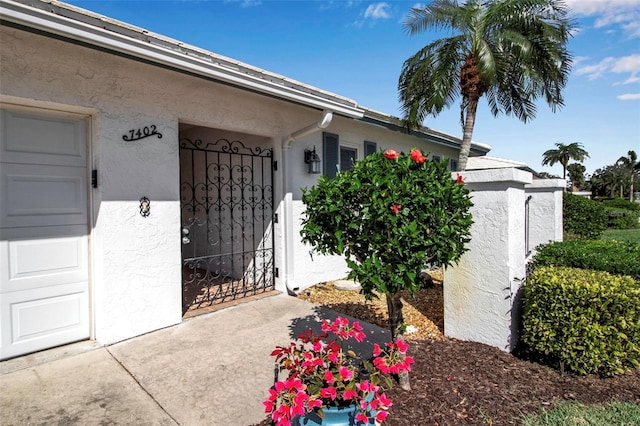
x=136 y=264
x=545 y=211
x=481 y=291
x=136 y=261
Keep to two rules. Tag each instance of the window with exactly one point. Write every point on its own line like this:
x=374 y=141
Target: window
x=336 y=157
x=436 y=158
x=370 y=148
x=453 y=165
x=348 y=156
x=330 y=154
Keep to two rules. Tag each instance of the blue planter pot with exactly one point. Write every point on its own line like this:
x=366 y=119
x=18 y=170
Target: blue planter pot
x=333 y=416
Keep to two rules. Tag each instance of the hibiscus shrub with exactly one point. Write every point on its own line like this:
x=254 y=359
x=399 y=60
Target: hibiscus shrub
x=392 y=216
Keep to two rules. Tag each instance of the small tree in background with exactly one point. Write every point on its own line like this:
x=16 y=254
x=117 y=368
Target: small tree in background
x=563 y=154
x=392 y=216
x=576 y=176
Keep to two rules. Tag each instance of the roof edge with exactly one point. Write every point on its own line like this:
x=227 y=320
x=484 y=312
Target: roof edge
x=434 y=136
x=63 y=20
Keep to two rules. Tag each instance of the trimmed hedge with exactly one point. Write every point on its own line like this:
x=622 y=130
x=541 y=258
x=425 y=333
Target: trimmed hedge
x=583 y=217
x=622 y=218
x=620 y=203
x=616 y=257
x=587 y=321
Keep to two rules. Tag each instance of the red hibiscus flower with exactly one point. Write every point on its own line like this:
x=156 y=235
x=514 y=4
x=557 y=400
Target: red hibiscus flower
x=417 y=156
x=395 y=208
x=459 y=179
x=391 y=154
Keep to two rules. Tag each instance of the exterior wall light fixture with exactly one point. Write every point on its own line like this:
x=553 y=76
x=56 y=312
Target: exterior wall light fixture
x=313 y=160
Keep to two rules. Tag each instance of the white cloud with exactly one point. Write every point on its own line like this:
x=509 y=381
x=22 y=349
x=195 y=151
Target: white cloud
x=621 y=65
x=377 y=11
x=629 y=97
x=593 y=7
x=245 y=3
x=623 y=13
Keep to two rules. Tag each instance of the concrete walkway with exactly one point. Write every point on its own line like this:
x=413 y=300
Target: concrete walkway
x=214 y=369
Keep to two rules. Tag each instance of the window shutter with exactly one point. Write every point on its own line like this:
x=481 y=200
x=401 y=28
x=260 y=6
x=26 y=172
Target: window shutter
x=330 y=154
x=370 y=148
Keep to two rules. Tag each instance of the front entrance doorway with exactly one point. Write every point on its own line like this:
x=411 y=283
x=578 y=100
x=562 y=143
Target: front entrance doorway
x=227 y=218
x=44 y=274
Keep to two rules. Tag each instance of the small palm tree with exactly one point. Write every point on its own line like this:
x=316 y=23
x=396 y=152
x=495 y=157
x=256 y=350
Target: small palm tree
x=563 y=154
x=631 y=166
x=576 y=175
x=510 y=51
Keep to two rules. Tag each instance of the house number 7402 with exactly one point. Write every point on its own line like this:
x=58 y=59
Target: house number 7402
x=145 y=132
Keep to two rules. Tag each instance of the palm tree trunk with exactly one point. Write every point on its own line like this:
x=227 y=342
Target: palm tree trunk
x=467 y=133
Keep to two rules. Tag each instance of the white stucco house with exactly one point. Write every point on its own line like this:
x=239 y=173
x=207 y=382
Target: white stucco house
x=143 y=179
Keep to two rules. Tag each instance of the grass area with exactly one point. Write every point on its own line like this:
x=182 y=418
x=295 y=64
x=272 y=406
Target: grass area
x=616 y=413
x=630 y=235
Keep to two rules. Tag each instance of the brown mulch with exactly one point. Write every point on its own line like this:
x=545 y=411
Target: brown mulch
x=466 y=383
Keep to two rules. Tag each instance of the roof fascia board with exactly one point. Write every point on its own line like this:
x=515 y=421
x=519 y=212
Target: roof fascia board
x=52 y=23
x=432 y=136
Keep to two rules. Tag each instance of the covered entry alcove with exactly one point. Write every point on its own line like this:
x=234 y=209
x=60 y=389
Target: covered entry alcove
x=227 y=216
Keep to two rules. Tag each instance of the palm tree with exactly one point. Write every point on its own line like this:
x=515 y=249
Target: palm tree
x=631 y=166
x=510 y=51
x=563 y=154
x=576 y=176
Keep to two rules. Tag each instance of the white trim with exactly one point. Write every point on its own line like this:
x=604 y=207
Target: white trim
x=213 y=67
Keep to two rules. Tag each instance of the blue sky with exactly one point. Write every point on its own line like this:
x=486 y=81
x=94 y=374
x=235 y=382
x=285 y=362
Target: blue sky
x=356 y=49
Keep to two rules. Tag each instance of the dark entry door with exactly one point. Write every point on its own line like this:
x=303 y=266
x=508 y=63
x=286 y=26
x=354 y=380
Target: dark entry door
x=227 y=221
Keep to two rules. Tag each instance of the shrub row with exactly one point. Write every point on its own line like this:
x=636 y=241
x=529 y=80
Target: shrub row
x=620 y=203
x=616 y=257
x=583 y=217
x=587 y=321
x=622 y=218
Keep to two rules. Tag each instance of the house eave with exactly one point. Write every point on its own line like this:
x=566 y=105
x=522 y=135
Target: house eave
x=80 y=26
x=395 y=124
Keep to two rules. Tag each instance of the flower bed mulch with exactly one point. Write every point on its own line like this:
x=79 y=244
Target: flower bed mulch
x=464 y=383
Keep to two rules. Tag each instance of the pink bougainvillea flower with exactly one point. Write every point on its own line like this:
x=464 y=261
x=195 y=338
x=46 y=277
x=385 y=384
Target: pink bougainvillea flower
x=459 y=178
x=345 y=373
x=417 y=156
x=329 y=392
x=376 y=349
x=395 y=208
x=314 y=403
x=362 y=417
x=402 y=346
x=391 y=154
x=381 y=416
x=384 y=400
x=328 y=377
x=349 y=394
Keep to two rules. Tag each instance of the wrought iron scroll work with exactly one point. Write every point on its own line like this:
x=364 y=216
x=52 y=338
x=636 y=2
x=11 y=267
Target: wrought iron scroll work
x=227 y=206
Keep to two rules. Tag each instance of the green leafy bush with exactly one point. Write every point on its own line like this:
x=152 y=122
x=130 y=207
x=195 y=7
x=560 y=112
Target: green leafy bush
x=583 y=217
x=587 y=321
x=622 y=218
x=620 y=203
x=391 y=216
x=615 y=257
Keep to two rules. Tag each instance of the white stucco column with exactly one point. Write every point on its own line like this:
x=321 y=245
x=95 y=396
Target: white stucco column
x=481 y=291
x=545 y=211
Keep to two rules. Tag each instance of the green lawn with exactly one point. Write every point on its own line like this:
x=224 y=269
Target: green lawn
x=630 y=235
x=619 y=414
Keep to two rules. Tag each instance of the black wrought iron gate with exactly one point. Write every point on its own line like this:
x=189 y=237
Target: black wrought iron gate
x=226 y=200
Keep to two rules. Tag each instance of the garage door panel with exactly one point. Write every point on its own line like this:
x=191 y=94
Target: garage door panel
x=44 y=272
x=43 y=318
x=34 y=138
x=34 y=195
x=44 y=261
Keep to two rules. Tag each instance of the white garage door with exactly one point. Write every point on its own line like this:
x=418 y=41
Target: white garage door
x=43 y=231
